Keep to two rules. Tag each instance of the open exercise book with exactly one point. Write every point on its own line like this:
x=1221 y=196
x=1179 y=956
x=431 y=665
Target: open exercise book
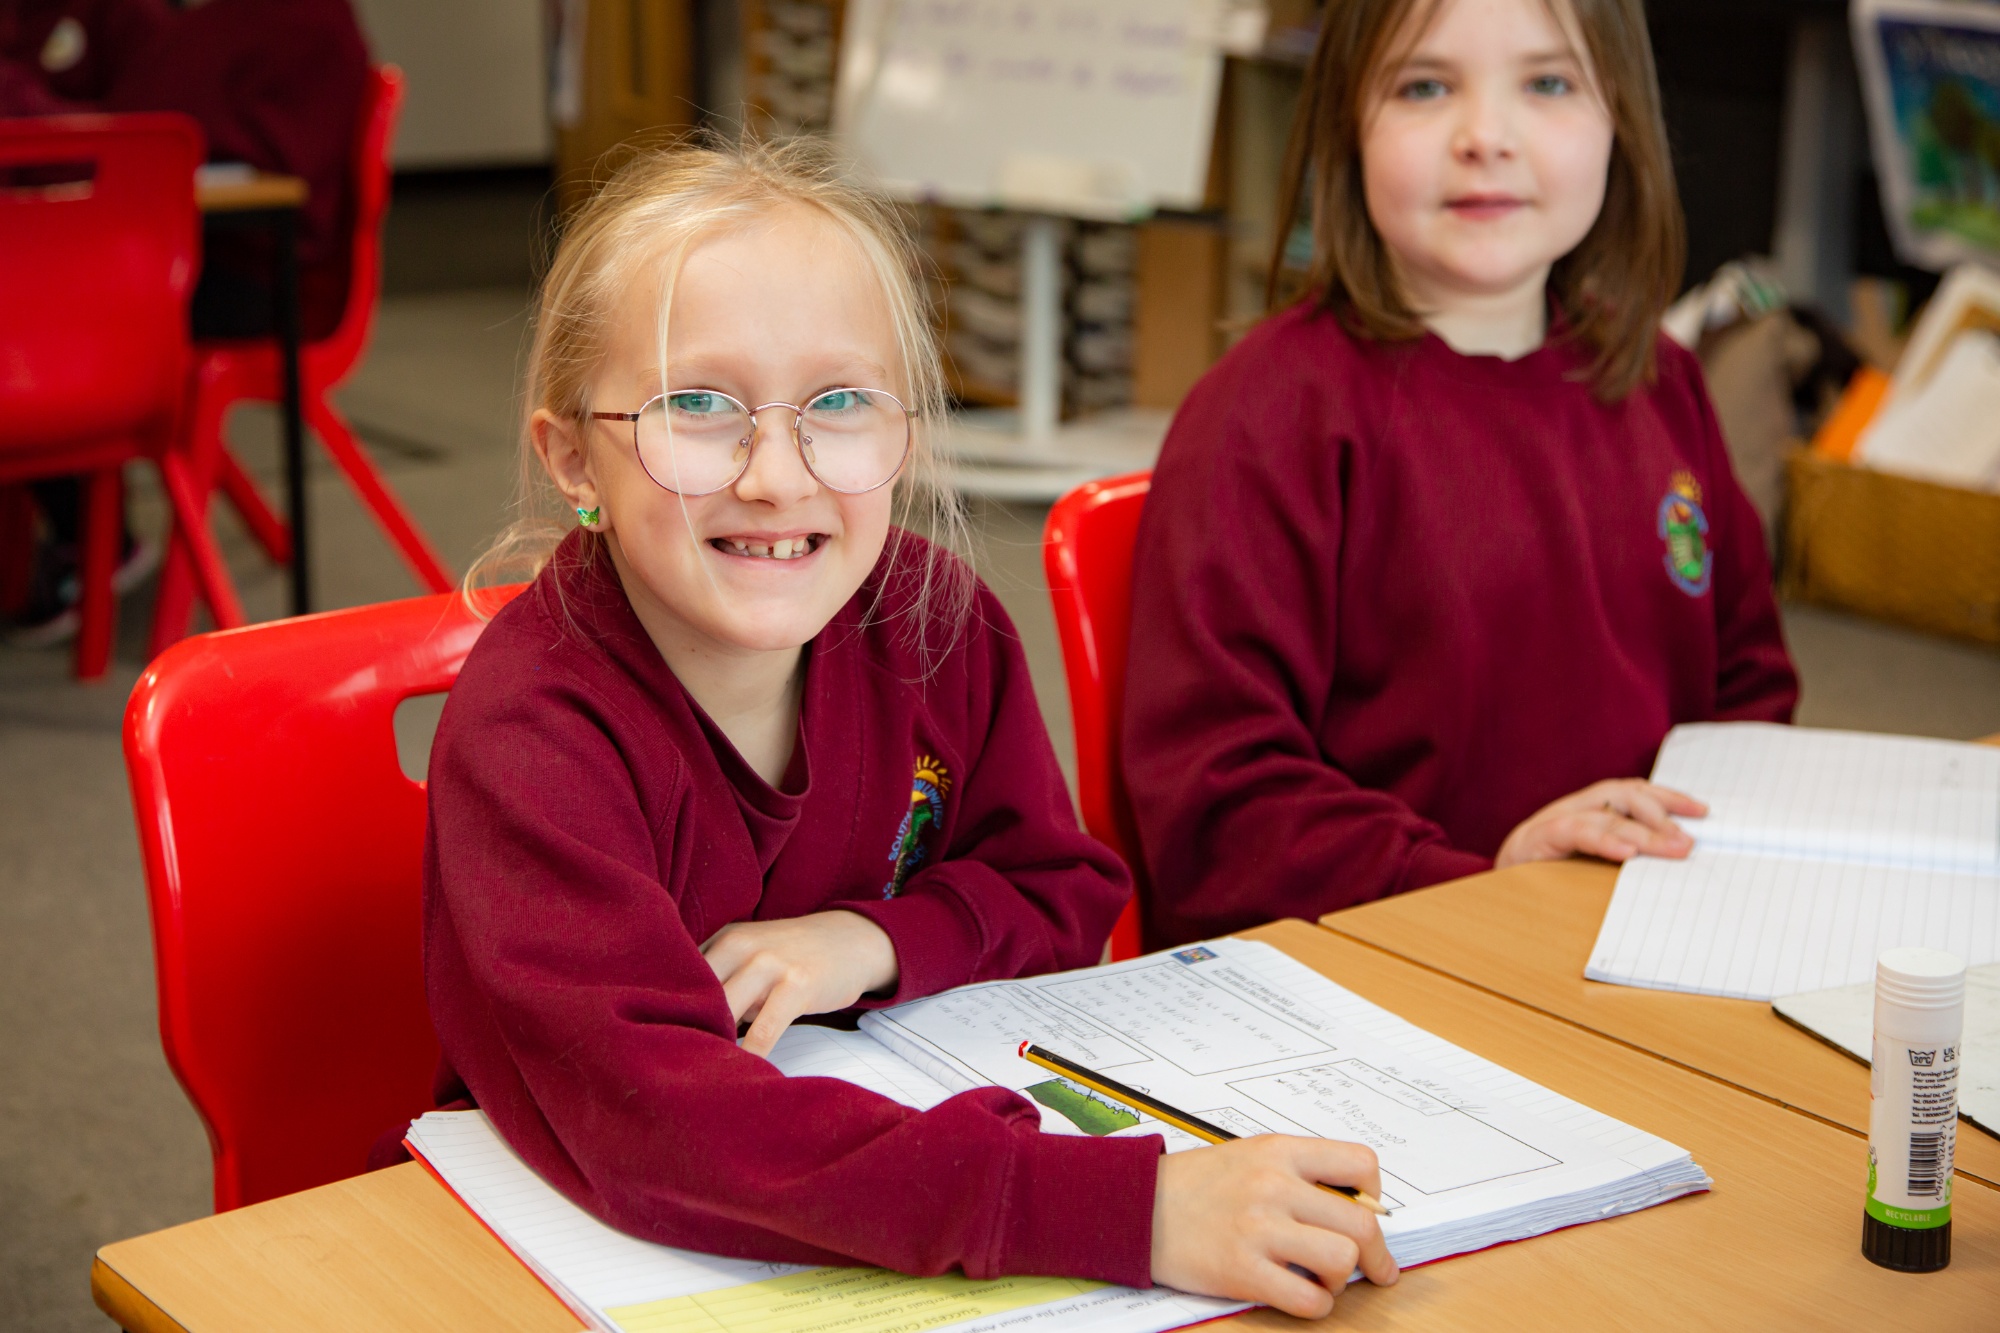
x=1234 y=1031
x=1820 y=850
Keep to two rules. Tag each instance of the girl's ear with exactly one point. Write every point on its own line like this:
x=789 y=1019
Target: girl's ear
x=560 y=445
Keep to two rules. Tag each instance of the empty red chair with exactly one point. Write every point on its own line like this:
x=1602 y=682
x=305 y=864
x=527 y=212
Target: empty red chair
x=238 y=371
x=1087 y=554
x=99 y=242
x=284 y=864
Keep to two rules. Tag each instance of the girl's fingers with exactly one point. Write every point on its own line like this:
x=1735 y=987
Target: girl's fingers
x=1273 y=1284
x=1677 y=802
x=1333 y=1215
x=1328 y=1255
x=749 y=987
x=1601 y=834
x=779 y=1010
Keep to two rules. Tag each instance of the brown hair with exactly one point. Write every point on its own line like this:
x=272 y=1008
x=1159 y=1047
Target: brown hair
x=1611 y=289
x=652 y=213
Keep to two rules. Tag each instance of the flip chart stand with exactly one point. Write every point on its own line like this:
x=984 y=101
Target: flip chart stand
x=1054 y=109
x=1030 y=453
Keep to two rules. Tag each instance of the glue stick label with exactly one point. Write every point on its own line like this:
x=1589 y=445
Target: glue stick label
x=1912 y=1131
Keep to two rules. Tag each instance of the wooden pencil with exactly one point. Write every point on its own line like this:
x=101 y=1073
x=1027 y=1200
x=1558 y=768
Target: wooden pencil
x=1159 y=1110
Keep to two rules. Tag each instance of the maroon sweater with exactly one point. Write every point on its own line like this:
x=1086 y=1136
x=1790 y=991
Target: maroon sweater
x=1389 y=601
x=590 y=828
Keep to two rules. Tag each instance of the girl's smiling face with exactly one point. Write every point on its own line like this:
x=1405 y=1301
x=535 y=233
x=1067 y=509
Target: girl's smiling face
x=1484 y=152
x=776 y=311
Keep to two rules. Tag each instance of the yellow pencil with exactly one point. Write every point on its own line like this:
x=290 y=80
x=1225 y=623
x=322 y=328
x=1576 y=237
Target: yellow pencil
x=1160 y=1111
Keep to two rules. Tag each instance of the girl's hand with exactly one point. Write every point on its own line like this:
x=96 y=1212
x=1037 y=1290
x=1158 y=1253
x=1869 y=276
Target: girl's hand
x=1617 y=820
x=1229 y=1219
x=774 y=971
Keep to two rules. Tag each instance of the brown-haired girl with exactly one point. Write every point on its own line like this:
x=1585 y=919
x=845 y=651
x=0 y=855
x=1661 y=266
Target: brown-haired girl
x=745 y=752
x=1435 y=556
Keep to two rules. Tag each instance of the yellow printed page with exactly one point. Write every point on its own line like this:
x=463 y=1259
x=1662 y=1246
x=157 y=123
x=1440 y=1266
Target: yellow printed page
x=844 y=1300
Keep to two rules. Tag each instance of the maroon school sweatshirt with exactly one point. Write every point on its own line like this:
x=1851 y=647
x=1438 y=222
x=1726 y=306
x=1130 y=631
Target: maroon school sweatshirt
x=590 y=828
x=1390 y=600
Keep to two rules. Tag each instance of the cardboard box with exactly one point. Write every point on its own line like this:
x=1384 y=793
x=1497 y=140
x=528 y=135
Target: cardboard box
x=1894 y=547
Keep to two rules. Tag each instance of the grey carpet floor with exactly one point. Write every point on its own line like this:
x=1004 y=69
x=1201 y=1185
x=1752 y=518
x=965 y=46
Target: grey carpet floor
x=96 y=1141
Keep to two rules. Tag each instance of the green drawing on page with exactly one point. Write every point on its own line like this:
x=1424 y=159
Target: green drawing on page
x=1083 y=1108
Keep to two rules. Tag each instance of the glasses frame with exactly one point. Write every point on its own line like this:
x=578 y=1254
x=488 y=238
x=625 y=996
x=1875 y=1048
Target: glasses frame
x=799 y=441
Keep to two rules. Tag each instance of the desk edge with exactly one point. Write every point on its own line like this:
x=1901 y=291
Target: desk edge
x=126 y=1304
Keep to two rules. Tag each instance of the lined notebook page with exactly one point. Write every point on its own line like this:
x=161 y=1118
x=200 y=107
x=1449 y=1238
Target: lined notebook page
x=1821 y=849
x=1754 y=927
x=1838 y=795
x=586 y=1263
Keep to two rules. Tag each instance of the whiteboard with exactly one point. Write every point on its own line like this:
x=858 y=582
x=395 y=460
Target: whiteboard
x=1088 y=108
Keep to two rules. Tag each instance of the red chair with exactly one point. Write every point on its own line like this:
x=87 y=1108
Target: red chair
x=95 y=275
x=1087 y=555
x=283 y=850
x=239 y=371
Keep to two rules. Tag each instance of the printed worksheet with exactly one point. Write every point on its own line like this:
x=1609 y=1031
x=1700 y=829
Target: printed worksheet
x=1247 y=1038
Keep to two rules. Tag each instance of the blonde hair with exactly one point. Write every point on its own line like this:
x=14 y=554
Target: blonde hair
x=655 y=209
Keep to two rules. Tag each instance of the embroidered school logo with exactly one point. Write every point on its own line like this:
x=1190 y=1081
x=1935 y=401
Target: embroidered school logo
x=929 y=785
x=1684 y=528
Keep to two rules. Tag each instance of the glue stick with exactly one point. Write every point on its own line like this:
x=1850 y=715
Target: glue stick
x=1913 y=1109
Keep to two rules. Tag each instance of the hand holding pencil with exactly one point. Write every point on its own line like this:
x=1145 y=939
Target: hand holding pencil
x=1244 y=1218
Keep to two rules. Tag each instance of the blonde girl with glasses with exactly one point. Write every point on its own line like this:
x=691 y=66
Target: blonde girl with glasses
x=748 y=751
x=1436 y=555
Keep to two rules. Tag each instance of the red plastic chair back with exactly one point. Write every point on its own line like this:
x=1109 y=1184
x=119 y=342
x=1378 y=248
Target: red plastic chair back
x=381 y=106
x=94 y=275
x=1087 y=554
x=283 y=849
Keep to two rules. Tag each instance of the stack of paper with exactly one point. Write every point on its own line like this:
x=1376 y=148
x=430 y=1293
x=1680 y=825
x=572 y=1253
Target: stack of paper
x=1820 y=850
x=1248 y=1038
x=1233 y=1031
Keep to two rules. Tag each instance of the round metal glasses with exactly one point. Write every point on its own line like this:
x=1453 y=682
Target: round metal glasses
x=698 y=441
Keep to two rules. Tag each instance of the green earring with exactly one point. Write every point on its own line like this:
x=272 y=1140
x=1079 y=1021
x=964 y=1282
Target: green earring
x=590 y=518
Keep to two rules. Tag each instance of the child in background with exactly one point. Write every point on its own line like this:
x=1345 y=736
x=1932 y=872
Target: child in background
x=1435 y=557
x=745 y=752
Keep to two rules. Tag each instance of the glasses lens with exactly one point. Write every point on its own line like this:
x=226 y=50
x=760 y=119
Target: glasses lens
x=854 y=439
x=694 y=442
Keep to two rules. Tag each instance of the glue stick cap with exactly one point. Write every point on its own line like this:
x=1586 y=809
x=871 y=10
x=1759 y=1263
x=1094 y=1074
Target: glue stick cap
x=1917 y=978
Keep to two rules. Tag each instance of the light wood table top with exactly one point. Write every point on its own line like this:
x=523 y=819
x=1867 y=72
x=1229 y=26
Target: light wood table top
x=1776 y=1244
x=1525 y=933
x=256 y=192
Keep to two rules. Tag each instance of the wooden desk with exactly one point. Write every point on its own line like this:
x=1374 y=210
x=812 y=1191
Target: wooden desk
x=262 y=199
x=1776 y=1244
x=1525 y=933
x=258 y=192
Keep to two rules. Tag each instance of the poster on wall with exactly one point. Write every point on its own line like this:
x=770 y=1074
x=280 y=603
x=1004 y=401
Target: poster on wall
x=1930 y=74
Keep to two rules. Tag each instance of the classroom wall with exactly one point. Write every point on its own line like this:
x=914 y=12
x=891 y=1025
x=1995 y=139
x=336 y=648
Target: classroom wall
x=477 y=79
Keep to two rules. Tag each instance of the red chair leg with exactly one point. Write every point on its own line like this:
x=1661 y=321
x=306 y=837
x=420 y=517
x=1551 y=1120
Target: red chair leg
x=264 y=524
x=192 y=535
x=395 y=521
x=17 y=548
x=103 y=525
x=199 y=446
